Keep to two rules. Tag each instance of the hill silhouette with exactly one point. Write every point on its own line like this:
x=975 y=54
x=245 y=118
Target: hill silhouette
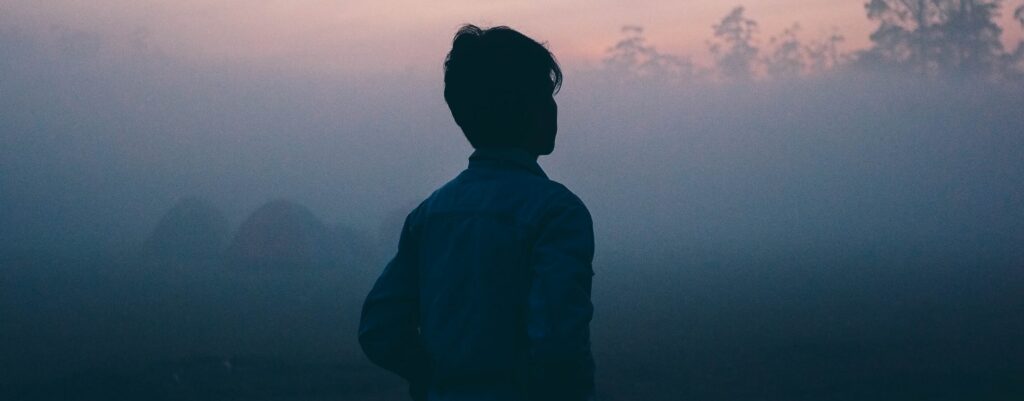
x=282 y=234
x=193 y=229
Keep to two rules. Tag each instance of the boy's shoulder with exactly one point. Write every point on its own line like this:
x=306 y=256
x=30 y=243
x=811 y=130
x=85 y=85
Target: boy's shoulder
x=562 y=195
x=540 y=187
x=539 y=193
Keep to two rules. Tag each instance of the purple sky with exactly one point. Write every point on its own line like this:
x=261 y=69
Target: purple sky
x=353 y=36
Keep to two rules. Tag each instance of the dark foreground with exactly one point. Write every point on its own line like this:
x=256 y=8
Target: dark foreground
x=808 y=327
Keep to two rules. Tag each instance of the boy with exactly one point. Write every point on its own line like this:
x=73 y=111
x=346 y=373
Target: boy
x=488 y=297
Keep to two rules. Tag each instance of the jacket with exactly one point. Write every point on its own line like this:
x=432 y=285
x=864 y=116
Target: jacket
x=488 y=296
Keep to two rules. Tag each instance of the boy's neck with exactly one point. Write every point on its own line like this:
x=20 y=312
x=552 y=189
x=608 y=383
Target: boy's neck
x=511 y=152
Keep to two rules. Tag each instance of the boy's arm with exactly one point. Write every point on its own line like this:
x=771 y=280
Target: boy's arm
x=389 y=326
x=559 y=314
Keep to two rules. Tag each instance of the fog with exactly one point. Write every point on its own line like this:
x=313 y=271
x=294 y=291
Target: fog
x=847 y=231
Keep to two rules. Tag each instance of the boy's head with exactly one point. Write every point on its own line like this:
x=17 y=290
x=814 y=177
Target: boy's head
x=500 y=87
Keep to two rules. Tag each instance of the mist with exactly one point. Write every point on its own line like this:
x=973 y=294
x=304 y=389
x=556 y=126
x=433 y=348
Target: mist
x=846 y=227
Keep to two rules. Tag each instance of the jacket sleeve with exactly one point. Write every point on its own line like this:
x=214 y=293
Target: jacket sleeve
x=559 y=306
x=389 y=328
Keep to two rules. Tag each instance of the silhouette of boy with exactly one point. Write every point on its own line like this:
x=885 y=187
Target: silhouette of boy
x=488 y=297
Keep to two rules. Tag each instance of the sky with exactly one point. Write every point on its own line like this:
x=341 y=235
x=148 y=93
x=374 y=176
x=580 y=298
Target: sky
x=357 y=36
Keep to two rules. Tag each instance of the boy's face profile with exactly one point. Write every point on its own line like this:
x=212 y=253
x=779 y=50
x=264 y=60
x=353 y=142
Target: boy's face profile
x=539 y=120
x=545 y=128
x=541 y=126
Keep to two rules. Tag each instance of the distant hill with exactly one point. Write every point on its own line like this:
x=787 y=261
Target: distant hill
x=193 y=229
x=283 y=234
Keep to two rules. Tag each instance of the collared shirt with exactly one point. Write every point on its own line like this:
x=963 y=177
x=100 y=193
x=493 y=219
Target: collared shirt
x=488 y=297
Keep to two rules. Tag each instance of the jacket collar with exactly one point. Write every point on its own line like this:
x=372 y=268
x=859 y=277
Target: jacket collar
x=512 y=157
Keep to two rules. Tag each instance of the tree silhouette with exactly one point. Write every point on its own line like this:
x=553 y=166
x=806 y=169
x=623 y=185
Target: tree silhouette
x=936 y=37
x=633 y=58
x=733 y=46
x=824 y=55
x=787 y=57
x=1016 y=59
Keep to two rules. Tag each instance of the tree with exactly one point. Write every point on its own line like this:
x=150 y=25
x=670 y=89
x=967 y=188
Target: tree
x=633 y=58
x=936 y=37
x=824 y=55
x=787 y=57
x=1016 y=59
x=733 y=47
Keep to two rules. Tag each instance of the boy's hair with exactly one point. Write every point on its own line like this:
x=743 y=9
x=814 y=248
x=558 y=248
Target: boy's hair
x=493 y=78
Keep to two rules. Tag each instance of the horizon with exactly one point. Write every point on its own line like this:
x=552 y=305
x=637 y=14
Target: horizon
x=328 y=39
